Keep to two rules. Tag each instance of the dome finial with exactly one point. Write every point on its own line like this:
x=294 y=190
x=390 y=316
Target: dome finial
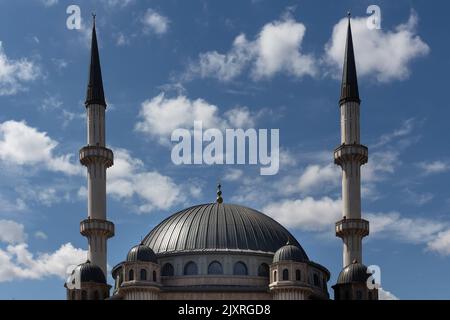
x=349 y=14
x=219 y=194
x=288 y=242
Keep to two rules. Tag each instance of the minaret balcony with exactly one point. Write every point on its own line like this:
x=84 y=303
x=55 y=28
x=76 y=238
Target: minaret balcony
x=97 y=226
x=352 y=226
x=351 y=152
x=92 y=154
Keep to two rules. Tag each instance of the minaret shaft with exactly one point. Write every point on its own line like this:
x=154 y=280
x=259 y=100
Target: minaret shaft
x=350 y=156
x=96 y=158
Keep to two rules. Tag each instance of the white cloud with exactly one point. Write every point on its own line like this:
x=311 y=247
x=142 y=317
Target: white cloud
x=386 y=295
x=12 y=232
x=161 y=115
x=276 y=49
x=383 y=54
x=306 y=214
x=51 y=103
x=233 y=174
x=128 y=178
x=117 y=3
x=40 y=235
x=21 y=144
x=14 y=74
x=49 y=3
x=319 y=177
x=155 y=22
x=441 y=243
x=433 y=167
x=17 y=262
x=121 y=39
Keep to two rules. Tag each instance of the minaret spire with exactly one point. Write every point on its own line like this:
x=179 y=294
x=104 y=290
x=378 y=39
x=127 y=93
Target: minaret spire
x=95 y=93
x=97 y=158
x=349 y=87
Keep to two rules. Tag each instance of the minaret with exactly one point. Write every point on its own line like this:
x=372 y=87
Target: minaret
x=96 y=158
x=350 y=156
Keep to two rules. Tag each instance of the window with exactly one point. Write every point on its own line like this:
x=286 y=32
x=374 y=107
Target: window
x=154 y=276
x=143 y=274
x=215 y=268
x=96 y=295
x=263 y=270
x=167 y=270
x=131 y=275
x=298 y=275
x=240 y=269
x=285 y=274
x=190 y=269
x=275 y=278
x=83 y=295
x=316 y=280
x=358 y=295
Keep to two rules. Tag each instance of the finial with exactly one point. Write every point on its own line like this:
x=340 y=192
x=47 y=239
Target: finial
x=288 y=242
x=93 y=17
x=219 y=194
x=349 y=14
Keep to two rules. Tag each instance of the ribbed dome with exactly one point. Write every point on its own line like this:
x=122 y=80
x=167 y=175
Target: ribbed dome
x=290 y=252
x=89 y=272
x=355 y=272
x=218 y=227
x=141 y=253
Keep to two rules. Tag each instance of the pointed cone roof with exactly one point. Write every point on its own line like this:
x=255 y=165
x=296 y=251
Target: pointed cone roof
x=349 y=87
x=95 y=94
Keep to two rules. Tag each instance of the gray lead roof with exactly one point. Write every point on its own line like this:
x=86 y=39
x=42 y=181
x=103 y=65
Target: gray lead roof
x=218 y=227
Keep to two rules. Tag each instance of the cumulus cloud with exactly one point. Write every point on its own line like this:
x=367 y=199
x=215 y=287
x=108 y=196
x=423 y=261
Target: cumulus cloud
x=385 y=55
x=17 y=262
x=161 y=115
x=49 y=3
x=276 y=49
x=307 y=214
x=14 y=74
x=233 y=175
x=155 y=22
x=316 y=176
x=128 y=178
x=12 y=232
x=21 y=144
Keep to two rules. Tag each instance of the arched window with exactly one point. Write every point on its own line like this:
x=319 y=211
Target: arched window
x=154 y=276
x=275 y=279
x=298 y=275
x=240 y=269
x=167 y=270
x=190 y=269
x=96 y=295
x=285 y=274
x=263 y=270
x=143 y=274
x=316 y=280
x=215 y=268
x=131 y=275
x=83 y=295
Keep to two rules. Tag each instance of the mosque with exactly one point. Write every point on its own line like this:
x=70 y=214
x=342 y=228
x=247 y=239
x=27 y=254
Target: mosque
x=220 y=251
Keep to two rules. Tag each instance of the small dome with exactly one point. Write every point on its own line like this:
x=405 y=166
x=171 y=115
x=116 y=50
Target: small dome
x=89 y=272
x=141 y=252
x=354 y=272
x=290 y=252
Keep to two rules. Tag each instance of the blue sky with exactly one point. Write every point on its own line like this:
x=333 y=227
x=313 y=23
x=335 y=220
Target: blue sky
x=263 y=64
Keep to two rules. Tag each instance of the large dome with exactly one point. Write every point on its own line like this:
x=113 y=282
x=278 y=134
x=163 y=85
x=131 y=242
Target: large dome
x=218 y=227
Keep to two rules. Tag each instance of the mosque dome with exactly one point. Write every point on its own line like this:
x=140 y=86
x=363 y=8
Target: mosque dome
x=218 y=227
x=354 y=272
x=290 y=252
x=141 y=252
x=88 y=272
